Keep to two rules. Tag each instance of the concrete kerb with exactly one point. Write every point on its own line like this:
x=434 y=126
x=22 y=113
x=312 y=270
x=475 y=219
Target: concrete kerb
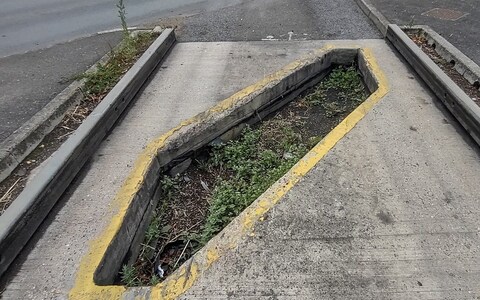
x=25 y=139
x=108 y=251
x=454 y=98
x=22 y=218
x=464 y=65
x=375 y=15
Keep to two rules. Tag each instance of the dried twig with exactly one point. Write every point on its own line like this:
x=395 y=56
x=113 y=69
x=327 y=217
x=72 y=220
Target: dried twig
x=181 y=255
x=82 y=116
x=72 y=118
x=182 y=233
x=75 y=111
x=160 y=251
x=65 y=135
x=5 y=197
x=147 y=246
x=67 y=128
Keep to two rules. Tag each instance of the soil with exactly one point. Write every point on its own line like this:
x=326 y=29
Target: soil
x=187 y=208
x=13 y=185
x=184 y=213
x=447 y=67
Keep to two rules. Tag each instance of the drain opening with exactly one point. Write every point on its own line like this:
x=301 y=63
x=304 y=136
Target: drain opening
x=476 y=85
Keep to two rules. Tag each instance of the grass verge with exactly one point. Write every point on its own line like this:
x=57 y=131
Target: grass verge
x=100 y=82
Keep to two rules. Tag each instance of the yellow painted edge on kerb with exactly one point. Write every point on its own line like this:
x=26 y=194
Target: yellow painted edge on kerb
x=183 y=279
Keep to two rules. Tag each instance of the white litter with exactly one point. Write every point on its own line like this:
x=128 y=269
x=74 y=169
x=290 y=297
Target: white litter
x=160 y=271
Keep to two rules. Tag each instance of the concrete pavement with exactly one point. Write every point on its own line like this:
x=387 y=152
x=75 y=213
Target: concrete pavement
x=389 y=213
x=85 y=210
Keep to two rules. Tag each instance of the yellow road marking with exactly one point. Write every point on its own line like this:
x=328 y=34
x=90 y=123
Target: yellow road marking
x=182 y=279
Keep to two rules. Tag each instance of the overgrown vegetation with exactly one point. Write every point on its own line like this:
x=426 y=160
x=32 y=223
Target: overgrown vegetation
x=100 y=82
x=255 y=161
x=226 y=178
x=345 y=83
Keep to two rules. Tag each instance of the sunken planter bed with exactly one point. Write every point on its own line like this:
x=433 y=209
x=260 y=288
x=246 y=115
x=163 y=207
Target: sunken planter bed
x=211 y=167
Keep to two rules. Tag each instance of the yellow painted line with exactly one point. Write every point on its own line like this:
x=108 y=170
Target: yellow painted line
x=178 y=283
x=182 y=279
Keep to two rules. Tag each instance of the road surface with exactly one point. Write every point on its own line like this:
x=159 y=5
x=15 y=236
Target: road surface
x=458 y=21
x=29 y=25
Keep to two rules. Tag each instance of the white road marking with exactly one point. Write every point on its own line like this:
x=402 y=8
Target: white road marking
x=116 y=30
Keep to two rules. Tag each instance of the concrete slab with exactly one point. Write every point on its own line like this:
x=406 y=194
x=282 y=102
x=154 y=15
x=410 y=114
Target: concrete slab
x=383 y=219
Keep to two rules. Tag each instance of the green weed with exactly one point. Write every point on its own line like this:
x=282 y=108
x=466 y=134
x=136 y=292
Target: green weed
x=345 y=82
x=101 y=81
x=333 y=108
x=169 y=185
x=343 y=78
x=154 y=280
x=253 y=171
x=411 y=23
x=153 y=230
x=129 y=276
x=122 y=14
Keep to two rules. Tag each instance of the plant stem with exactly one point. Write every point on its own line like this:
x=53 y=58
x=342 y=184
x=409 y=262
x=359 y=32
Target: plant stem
x=122 y=14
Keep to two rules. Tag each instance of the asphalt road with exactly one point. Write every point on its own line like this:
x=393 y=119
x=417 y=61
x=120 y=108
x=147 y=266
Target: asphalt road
x=29 y=81
x=278 y=20
x=44 y=44
x=29 y=25
x=462 y=33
